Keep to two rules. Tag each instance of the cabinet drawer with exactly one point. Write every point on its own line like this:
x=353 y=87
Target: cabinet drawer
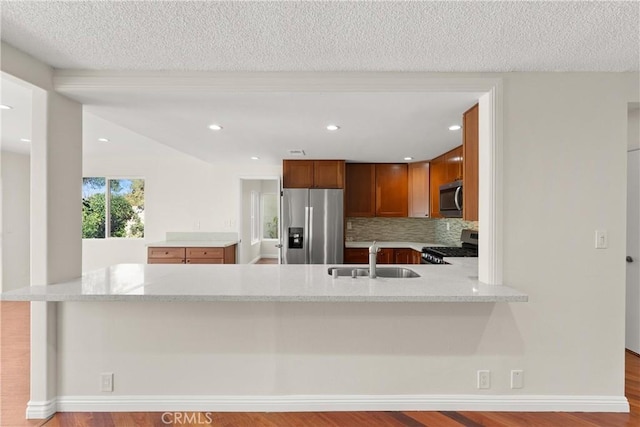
x=205 y=261
x=165 y=253
x=165 y=261
x=356 y=256
x=207 y=253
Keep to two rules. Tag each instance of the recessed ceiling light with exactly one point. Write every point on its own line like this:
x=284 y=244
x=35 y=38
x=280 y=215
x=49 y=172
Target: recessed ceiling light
x=408 y=158
x=333 y=127
x=455 y=127
x=255 y=158
x=25 y=140
x=5 y=107
x=215 y=127
x=103 y=140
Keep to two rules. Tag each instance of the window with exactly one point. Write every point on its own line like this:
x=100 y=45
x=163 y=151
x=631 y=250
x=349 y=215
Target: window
x=269 y=216
x=112 y=208
x=255 y=217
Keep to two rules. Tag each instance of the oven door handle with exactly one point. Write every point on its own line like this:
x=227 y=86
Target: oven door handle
x=455 y=198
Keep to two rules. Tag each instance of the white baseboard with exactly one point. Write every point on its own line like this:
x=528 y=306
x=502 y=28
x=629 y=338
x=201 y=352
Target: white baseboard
x=256 y=259
x=41 y=410
x=300 y=403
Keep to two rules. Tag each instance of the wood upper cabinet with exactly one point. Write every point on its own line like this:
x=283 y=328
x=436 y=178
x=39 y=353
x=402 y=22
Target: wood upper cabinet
x=361 y=189
x=419 y=189
x=453 y=160
x=313 y=173
x=391 y=189
x=328 y=174
x=442 y=170
x=437 y=177
x=297 y=173
x=471 y=178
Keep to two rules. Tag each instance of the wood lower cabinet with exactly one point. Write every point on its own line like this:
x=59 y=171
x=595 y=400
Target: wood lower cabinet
x=191 y=255
x=356 y=256
x=403 y=256
x=313 y=173
x=385 y=256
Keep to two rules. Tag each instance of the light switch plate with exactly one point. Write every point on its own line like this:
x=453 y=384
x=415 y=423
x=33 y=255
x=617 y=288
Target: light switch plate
x=602 y=239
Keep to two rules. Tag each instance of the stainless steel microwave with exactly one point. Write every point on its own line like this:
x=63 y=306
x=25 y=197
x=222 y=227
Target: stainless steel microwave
x=451 y=200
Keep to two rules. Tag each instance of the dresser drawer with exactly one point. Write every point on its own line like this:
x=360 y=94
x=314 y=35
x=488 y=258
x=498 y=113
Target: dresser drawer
x=160 y=252
x=206 y=253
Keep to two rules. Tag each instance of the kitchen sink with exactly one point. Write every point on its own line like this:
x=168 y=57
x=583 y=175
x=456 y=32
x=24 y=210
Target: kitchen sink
x=391 y=272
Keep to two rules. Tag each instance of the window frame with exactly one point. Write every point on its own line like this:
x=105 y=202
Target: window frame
x=107 y=205
x=269 y=239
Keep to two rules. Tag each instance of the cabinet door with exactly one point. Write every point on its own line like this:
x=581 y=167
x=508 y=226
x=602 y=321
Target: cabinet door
x=360 y=190
x=402 y=256
x=437 y=177
x=385 y=256
x=419 y=189
x=391 y=190
x=453 y=160
x=328 y=174
x=416 y=257
x=356 y=256
x=470 y=148
x=165 y=260
x=205 y=261
x=230 y=254
x=297 y=173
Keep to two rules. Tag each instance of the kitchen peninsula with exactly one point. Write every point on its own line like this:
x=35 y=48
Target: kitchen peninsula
x=270 y=283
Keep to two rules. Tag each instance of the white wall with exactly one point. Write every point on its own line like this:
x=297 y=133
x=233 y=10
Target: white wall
x=15 y=220
x=633 y=133
x=564 y=151
x=181 y=192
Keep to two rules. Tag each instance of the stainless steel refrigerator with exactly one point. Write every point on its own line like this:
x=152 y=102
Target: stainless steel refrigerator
x=312 y=226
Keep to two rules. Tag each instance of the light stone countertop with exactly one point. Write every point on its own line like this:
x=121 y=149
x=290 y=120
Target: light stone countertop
x=416 y=246
x=270 y=283
x=193 y=243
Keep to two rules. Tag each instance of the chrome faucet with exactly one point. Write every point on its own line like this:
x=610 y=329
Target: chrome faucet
x=373 y=254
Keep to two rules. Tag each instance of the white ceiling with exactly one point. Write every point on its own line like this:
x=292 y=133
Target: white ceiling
x=307 y=36
x=374 y=127
x=15 y=124
x=327 y=36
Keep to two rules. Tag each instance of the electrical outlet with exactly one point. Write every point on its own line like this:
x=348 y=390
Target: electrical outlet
x=448 y=226
x=106 y=381
x=348 y=225
x=517 y=378
x=484 y=379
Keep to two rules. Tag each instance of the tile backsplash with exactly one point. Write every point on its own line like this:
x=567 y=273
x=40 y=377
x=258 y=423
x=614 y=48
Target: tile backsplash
x=427 y=230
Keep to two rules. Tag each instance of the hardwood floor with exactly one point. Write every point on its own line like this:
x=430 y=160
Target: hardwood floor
x=267 y=261
x=14 y=394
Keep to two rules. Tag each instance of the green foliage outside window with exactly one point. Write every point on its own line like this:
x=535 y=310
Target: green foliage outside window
x=126 y=208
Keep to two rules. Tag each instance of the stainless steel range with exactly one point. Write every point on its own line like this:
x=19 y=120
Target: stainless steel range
x=469 y=248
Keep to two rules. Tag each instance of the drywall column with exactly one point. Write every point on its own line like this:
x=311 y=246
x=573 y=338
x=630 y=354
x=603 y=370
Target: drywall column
x=56 y=239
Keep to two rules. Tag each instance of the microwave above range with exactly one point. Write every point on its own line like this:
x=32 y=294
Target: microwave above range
x=451 y=200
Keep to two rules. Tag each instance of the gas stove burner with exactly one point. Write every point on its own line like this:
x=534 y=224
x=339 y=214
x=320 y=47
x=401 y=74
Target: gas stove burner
x=469 y=248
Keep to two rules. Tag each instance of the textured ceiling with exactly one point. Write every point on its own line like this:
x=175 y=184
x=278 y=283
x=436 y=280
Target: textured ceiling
x=327 y=36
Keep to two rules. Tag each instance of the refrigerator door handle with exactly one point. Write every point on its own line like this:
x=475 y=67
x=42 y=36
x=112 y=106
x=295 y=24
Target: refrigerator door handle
x=305 y=235
x=310 y=239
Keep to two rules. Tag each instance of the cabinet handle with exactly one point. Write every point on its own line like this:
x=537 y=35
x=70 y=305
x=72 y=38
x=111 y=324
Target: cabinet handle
x=205 y=253
x=166 y=253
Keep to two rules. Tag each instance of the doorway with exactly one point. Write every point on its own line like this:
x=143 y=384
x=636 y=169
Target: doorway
x=632 y=321
x=259 y=220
